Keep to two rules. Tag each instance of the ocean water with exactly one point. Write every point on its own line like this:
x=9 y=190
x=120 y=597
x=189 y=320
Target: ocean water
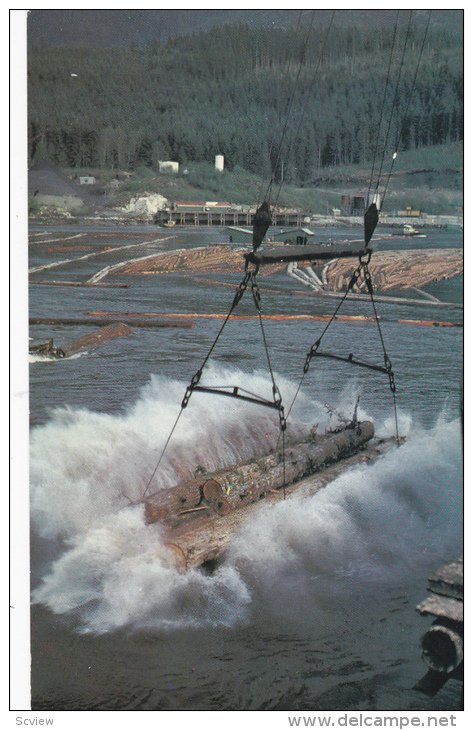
x=313 y=607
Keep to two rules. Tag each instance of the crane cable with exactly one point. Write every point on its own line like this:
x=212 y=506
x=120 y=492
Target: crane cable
x=394 y=102
x=363 y=266
x=284 y=116
x=393 y=107
x=289 y=108
x=407 y=107
x=305 y=105
x=381 y=114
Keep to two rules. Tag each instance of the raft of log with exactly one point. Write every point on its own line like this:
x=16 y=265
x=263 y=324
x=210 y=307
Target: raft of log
x=408 y=269
x=219 y=258
x=199 y=517
x=399 y=269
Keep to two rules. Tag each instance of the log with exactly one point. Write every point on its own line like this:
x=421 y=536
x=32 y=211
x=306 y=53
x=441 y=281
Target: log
x=442 y=608
x=448 y=580
x=442 y=648
x=97 y=338
x=54 y=282
x=47 y=349
x=228 y=496
x=172 y=501
x=221 y=315
x=90 y=321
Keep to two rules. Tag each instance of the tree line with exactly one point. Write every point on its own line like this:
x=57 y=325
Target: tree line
x=264 y=99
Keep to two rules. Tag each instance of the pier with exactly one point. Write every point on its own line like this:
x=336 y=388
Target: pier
x=225 y=218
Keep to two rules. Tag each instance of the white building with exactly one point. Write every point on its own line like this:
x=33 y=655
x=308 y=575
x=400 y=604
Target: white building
x=168 y=166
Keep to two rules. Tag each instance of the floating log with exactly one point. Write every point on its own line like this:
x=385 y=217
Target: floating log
x=274 y=317
x=87 y=342
x=386 y=299
x=47 y=349
x=226 y=497
x=215 y=315
x=108 y=285
x=430 y=323
x=90 y=321
x=95 y=339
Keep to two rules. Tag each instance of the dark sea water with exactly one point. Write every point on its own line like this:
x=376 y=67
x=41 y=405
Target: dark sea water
x=313 y=608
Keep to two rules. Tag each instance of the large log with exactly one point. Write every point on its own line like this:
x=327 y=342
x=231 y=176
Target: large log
x=91 y=321
x=448 y=580
x=173 y=501
x=199 y=528
x=94 y=339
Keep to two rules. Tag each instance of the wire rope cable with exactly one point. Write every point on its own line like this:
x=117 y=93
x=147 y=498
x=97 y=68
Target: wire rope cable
x=407 y=107
x=284 y=116
x=381 y=114
x=311 y=83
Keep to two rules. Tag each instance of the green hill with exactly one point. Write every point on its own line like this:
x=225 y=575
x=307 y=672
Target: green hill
x=239 y=91
x=429 y=179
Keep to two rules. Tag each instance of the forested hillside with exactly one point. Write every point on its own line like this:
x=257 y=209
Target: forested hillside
x=227 y=91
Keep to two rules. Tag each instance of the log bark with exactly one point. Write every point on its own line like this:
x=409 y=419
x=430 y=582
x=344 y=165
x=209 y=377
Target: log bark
x=172 y=501
x=215 y=507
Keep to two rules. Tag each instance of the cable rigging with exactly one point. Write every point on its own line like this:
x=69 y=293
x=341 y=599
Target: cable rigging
x=261 y=223
x=263 y=217
x=371 y=217
x=369 y=214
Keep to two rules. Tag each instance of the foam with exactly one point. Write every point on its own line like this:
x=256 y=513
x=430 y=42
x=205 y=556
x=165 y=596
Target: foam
x=89 y=469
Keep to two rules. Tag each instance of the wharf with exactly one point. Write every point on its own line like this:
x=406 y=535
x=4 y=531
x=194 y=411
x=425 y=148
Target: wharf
x=226 y=217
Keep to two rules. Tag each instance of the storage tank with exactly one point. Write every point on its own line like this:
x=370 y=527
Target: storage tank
x=219 y=162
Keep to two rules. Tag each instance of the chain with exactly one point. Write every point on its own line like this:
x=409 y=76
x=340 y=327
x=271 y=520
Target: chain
x=277 y=398
x=362 y=270
x=241 y=289
x=387 y=361
x=353 y=280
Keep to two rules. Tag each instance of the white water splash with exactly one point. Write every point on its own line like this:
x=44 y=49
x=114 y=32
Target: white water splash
x=33 y=358
x=373 y=522
x=114 y=571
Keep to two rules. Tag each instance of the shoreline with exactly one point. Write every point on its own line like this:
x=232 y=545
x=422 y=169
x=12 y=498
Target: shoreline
x=319 y=221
